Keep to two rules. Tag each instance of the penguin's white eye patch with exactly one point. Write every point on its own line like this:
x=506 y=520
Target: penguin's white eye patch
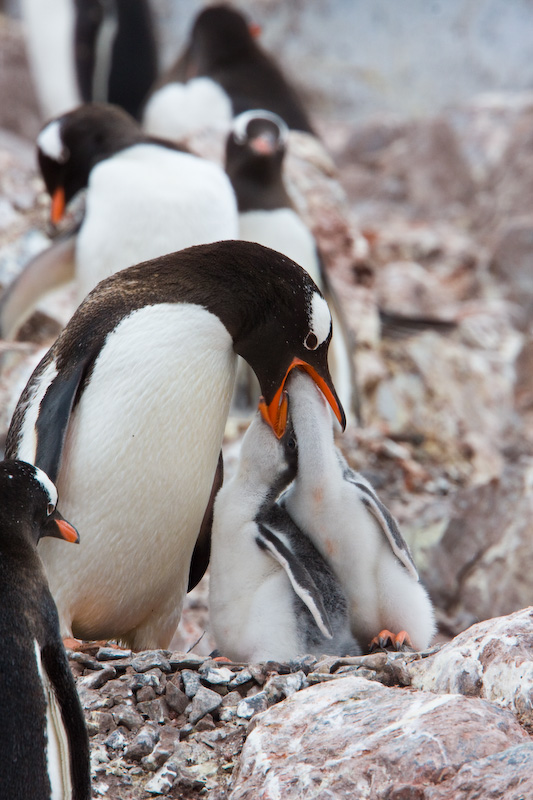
x=48 y=487
x=320 y=322
x=310 y=341
x=50 y=143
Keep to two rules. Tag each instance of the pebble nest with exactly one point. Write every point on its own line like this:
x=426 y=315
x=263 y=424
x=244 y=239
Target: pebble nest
x=171 y=723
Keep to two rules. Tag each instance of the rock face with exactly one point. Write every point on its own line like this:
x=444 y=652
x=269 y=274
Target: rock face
x=354 y=738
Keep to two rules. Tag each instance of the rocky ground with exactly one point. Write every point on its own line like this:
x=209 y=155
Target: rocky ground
x=429 y=219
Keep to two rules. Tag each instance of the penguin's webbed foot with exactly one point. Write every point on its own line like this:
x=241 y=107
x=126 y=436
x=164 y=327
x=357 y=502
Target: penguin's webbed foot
x=385 y=640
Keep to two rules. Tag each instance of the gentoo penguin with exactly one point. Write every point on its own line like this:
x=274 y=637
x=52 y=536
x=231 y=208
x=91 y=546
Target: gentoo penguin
x=90 y=50
x=255 y=151
x=127 y=413
x=225 y=72
x=44 y=748
x=340 y=512
x=271 y=594
x=144 y=199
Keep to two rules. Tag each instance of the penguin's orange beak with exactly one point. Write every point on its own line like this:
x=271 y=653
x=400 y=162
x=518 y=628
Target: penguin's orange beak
x=58 y=205
x=67 y=531
x=275 y=412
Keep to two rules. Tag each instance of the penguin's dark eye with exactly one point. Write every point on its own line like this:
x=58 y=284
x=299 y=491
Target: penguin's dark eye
x=50 y=508
x=291 y=443
x=311 y=341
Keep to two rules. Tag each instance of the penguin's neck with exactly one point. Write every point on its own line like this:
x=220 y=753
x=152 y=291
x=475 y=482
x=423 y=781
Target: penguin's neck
x=317 y=456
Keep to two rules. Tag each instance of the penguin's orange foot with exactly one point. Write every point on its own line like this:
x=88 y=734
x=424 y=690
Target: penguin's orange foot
x=222 y=660
x=385 y=640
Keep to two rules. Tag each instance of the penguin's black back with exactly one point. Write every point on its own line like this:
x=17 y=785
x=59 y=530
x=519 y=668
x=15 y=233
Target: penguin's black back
x=28 y=615
x=223 y=49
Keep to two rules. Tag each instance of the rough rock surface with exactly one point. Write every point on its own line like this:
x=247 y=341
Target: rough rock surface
x=355 y=738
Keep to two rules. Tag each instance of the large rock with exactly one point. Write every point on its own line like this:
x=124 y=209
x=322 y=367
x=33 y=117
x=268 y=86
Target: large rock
x=492 y=660
x=475 y=553
x=355 y=738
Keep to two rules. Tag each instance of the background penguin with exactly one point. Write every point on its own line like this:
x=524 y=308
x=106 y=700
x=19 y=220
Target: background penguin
x=225 y=72
x=90 y=50
x=271 y=594
x=255 y=152
x=44 y=748
x=340 y=512
x=144 y=199
x=129 y=406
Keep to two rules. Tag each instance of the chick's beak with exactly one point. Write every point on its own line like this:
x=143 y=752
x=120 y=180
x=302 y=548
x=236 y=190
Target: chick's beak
x=275 y=412
x=58 y=205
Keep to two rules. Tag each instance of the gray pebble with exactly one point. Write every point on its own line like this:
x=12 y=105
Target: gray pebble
x=91 y=700
x=116 y=741
x=205 y=701
x=98 y=678
x=139 y=681
x=250 y=706
x=281 y=686
x=180 y=661
x=176 y=699
x=217 y=675
x=127 y=716
x=191 y=682
x=155 y=710
x=143 y=743
x=112 y=654
x=241 y=678
x=152 y=658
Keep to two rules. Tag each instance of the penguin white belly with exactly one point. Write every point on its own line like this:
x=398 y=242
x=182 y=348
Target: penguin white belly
x=137 y=470
x=57 y=749
x=178 y=110
x=147 y=201
x=284 y=231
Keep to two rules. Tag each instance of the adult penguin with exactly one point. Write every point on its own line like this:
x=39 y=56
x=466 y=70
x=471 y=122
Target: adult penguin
x=44 y=748
x=222 y=72
x=255 y=155
x=128 y=408
x=144 y=198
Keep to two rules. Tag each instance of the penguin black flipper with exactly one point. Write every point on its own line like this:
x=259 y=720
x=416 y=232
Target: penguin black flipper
x=270 y=540
x=386 y=522
x=54 y=412
x=56 y=666
x=49 y=269
x=202 y=548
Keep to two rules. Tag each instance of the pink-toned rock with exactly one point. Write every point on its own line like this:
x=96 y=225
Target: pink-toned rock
x=492 y=660
x=353 y=738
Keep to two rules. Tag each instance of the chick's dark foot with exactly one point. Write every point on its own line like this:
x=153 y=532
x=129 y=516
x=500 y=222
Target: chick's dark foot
x=385 y=640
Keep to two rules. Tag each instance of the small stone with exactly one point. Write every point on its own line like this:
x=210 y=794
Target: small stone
x=160 y=679
x=112 y=654
x=281 y=686
x=93 y=727
x=98 y=678
x=230 y=700
x=168 y=740
x=180 y=661
x=205 y=701
x=155 y=710
x=206 y=723
x=84 y=659
x=250 y=706
x=191 y=682
x=145 y=694
x=116 y=741
x=216 y=675
x=91 y=700
x=259 y=673
x=304 y=664
x=164 y=780
x=143 y=743
x=176 y=699
x=127 y=716
x=138 y=681
x=321 y=677
x=241 y=679
x=326 y=664
x=118 y=690
x=105 y=721
x=152 y=658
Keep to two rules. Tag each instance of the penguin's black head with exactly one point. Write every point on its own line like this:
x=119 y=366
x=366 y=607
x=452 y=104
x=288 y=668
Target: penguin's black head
x=255 y=150
x=28 y=500
x=69 y=146
x=220 y=35
x=284 y=324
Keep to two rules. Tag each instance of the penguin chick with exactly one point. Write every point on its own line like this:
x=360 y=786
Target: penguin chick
x=226 y=72
x=271 y=594
x=129 y=406
x=44 y=748
x=340 y=512
x=255 y=153
x=144 y=198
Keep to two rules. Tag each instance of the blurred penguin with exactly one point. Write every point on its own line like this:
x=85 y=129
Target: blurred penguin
x=90 y=50
x=255 y=152
x=222 y=72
